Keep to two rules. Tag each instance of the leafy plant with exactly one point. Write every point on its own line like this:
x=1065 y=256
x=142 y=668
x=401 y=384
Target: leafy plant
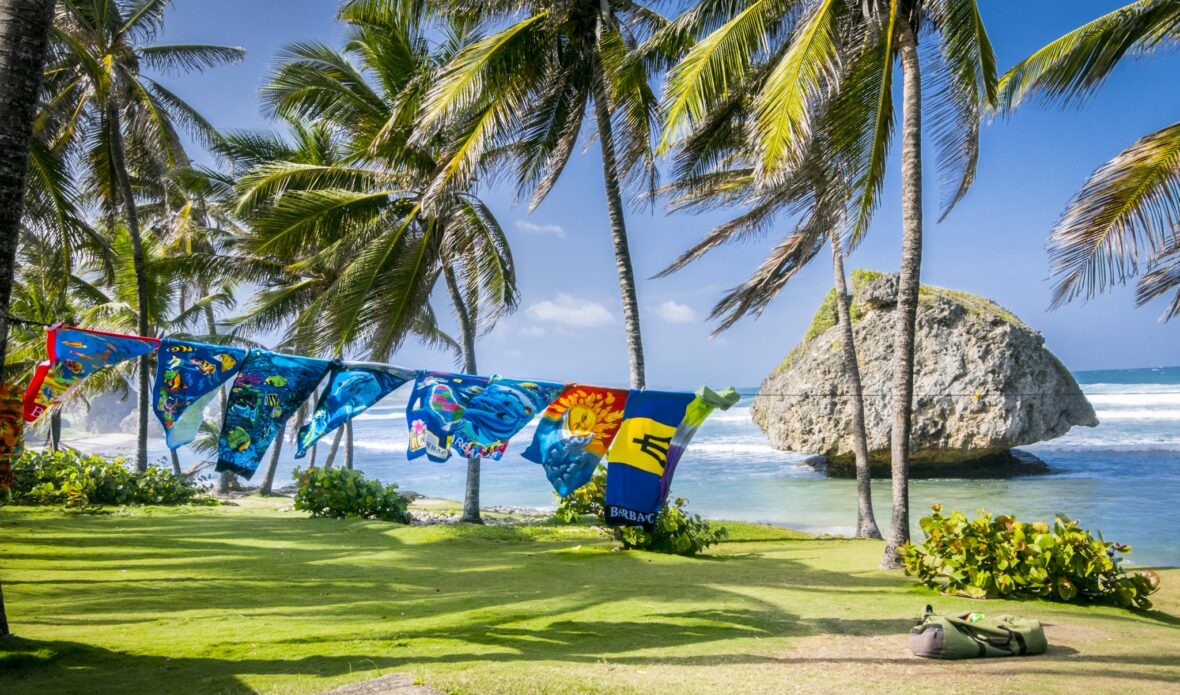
x=675 y=532
x=344 y=493
x=78 y=480
x=999 y=556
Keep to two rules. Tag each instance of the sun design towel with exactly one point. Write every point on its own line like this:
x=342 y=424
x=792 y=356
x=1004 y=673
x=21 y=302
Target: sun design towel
x=187 y=378
x=574 y=433
x=268 y=390
x=435 y=412
x=74 y=354
x=657 y=426
x=495 y=414
x=352 y=388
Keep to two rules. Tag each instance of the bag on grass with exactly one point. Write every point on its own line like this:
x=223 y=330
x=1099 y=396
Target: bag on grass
x=974 y=635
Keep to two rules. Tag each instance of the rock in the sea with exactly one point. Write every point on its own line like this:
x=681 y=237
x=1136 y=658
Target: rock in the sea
x=984 y=383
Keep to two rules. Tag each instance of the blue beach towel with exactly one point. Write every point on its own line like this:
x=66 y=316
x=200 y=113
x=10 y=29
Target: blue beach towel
x=268 y=390
x=435 y=412
x=187 y=377
x=351 y=390
x=499 y=411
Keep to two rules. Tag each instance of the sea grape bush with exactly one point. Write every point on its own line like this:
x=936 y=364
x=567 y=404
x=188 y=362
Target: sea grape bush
x=675 y=532
x=344 y=493
x=999 y=556
x=78 y=480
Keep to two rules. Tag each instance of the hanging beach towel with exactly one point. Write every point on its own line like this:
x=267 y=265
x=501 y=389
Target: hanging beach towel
x=499 y=411
x=268 y=390
x=574 y=433
x=657 y=426
x=435 y=412
x=74 y=354
x=187 y=378
x=352 y=388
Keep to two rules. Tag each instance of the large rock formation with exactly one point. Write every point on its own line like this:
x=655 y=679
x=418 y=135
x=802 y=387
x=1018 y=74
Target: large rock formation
x=984 y=383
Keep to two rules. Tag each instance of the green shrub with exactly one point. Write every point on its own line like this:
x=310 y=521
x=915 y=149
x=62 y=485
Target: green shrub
x=344 y=493
x=586 y=500
x=675 y=532
x=1002 y=557
x=79 y=480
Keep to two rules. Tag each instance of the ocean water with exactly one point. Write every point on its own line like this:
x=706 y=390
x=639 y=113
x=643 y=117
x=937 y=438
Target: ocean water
x=1122 y=477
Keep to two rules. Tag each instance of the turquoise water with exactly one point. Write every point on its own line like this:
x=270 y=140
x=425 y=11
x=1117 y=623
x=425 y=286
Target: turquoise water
x=1122 y=477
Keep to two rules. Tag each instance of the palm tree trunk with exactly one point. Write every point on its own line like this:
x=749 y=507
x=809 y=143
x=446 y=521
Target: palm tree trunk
x=467 y=337
x=276 y=449
x=332 y=449
x=55 y=430
x=618 y=226
x=348 y=445
x=866 y=523
x=175 y=461
x=907 y=294
x=24 y=40
x=315 y=449
x=123 y=183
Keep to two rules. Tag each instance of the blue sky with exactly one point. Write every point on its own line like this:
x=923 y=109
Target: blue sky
x=569 y=325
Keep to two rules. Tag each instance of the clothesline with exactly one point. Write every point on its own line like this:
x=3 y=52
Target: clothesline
x=643 y=433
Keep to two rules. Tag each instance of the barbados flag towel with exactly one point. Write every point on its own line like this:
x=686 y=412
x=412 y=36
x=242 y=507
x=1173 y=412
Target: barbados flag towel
x=268 y=390
x=352 y=388
x=657 y=426
x=574 y=433
x=74 y=354
x=187 y=378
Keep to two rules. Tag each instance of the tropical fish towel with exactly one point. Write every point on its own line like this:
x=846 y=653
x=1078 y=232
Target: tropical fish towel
x=497 y=413
x=352 y=388
x=472 y=415
x=187 y=378
x=574 y=433
x=268 y=390
x=74 y=354
x=656 y=428
x=435 y=411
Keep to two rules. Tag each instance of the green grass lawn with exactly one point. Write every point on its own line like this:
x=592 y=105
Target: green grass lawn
x=254 y=598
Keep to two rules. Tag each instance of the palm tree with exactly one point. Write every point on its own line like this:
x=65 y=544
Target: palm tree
x=24 y=39
x=830 y=68
x=712 y=169
x=521 y=95
x=346 y=211
x=117 y=122
x=1128 y=212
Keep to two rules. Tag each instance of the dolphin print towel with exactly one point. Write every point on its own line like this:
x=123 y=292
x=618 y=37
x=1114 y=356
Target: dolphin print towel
x=574 y=433
x=351 y=389
x=74 y=354
x=187 y=378
x=269 y=389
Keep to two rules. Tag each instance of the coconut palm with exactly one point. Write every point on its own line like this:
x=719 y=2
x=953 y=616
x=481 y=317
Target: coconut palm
x=350 y=221
x=1127 y=215
x=830 y=69
x=118 y=124
x=24 y=34
x=712 y=169
x=521 y=95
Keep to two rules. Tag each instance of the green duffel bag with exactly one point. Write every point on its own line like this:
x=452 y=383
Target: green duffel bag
x=974 y=635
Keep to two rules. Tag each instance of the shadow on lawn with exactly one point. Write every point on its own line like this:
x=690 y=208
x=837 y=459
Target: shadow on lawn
x=244 y=595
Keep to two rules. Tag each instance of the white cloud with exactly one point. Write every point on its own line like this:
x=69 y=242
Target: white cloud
x=567 y=310
x=532 y=331
x=674 y=312
x=544 y=229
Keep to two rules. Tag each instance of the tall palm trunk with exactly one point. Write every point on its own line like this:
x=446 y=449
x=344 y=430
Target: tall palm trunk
x=907 y=294
x=276 y=450
x=618 y=227
x=348 y=450
x=866 y=523
x=55 y=430
x=467 y=338
x=24 y=40
x=331 y=458
x=123 y=183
